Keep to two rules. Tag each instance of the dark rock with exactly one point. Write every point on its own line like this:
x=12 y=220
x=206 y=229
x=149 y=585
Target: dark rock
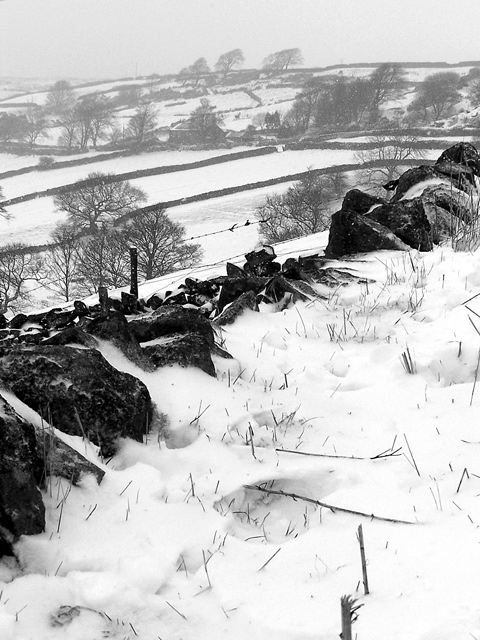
x=235 y=272
x=18 y=321
x=445 y=211
x=462 y=153
x=407 y=220
x=115 y=328
x=259 y=256
x=291 y=269
x=185 y=349
x=412 y=177
x=233 y=288
x=129 y=304
x=267 y=269
x=359 y=201
x=178 y=298
x=57 y=319
x=167 y=320
x=3 y=321
x=351 y=233
x=247 y=300
x=71 y=335
x=278 y=287
x=154 y=302
x=80 y=308
x=459 y=175
x=21 y=508
x=391 y=185
x=65 y=382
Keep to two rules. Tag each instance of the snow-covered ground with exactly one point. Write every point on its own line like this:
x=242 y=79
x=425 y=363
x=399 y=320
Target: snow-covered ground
x=181 y=542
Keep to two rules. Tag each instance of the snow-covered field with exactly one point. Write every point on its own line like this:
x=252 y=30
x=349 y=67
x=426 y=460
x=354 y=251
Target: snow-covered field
x=181 y=542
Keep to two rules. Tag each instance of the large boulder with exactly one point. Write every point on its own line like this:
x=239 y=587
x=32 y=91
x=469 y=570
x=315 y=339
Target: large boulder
x=184 y=349
x=168 y=320
x=407 y=220
x=359 y=201
x=462 y=153
x=21 y=508
x=414 y=176
x=351 y=233
x=114 y=328
x=79 y=392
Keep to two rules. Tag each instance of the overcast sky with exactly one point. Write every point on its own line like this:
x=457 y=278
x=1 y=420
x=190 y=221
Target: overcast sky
x=111 y=38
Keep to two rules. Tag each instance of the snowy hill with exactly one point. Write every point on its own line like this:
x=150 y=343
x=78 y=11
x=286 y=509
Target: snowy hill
x=183 y=539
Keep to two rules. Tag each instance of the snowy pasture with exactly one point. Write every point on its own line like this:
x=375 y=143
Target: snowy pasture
x=204 y=531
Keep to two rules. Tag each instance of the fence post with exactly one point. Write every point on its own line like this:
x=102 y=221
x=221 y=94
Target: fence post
x=103 y=298
x=134 y=271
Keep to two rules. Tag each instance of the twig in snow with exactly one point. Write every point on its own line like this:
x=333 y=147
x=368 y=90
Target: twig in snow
x=364 y=561
x=475 y=380
x=271 y=557
x=332 y=508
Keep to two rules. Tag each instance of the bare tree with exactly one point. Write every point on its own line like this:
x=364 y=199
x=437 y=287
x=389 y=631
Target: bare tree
x=70 y=126
x=205 y=120
x=12 y=127
x=283 y=60
x=59 y=272
x=102 y=261
x=161 y=244
x=143 y=122
x=301 y=211
x=36 y=124
x=60 y=98
x=94 y=116
x=386 y=160
x=384 y=81
x=229 y=60
x=198 y=69
x=17 y=266
x=97 y=200
x=437 y=94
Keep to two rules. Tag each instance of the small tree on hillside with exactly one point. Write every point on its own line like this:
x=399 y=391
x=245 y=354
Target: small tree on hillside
x=437 y=94
x=230 y=60
x=283 y=60
x=102 y=261
x=94 y=115
x=384 y=82
x=198 y=69
x=98 y=200
x=143 y=122
x=301 y=211
x=387 y=159
x=36 y=124
x=17 y=266
x=60 y=98
x=59 y=272
x=160 y=243
x=205 y=120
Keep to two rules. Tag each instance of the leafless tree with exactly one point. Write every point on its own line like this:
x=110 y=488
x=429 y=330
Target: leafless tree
x=102 y=261
x=387 y=158
x=204 y=120
x=143 y=122
x=283 y=60
x=198 y=69
x=384 y=82
x=160 y=243
x=437 y=94
x=96 y=200
x=60 y=98
x=36 y=124
x=70 y=126
x=17 y=267
x=59 y=271
x=301 y=211
x=94 y=115
x=229 y=60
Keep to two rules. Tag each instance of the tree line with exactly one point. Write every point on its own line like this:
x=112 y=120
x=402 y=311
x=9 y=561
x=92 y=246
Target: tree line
x=88 y=250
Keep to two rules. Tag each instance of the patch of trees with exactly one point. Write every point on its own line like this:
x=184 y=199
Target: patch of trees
x=436 y=96
x=87 y=251
x=282 y=60
x=342 y=102
x=305 y=208
x=229 y=61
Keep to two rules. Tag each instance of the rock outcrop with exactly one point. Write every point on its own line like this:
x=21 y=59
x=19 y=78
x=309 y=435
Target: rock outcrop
x=430 y=204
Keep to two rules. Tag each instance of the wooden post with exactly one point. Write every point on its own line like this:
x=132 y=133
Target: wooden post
x=134 y=271
x=346 y=608
x=364 y=562
x=103 y=298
